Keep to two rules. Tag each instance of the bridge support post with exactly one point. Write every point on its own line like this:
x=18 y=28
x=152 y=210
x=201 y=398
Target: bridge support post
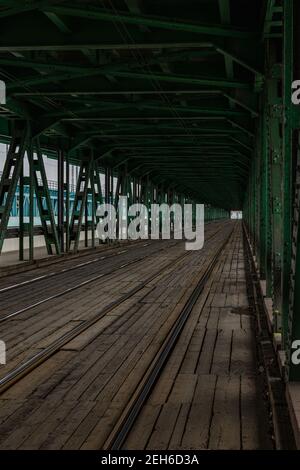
x=291 y=260
x=21 y=212
x=60 y=198
x=31 y=201
x=12 y=173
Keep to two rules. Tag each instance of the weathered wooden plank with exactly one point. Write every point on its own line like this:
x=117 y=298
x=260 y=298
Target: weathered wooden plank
x=143 y=428
x=226 y=426
x=164 y=426
x=196 y=433
x=222 y=353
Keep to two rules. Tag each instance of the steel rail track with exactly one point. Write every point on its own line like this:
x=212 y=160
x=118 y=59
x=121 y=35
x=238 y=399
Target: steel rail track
x=86 y=282
x=77 y=286
x=22 y=370
x=37 y=359
x=77 y=266
x=122 y=429
x=65 y=270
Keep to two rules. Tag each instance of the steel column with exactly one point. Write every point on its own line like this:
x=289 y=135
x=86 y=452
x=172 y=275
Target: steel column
x=10 y=177
x=67 y=202
x=21 y=213
x=60 y=198
x=31 y=201
x=275 y=139
x=291 y=284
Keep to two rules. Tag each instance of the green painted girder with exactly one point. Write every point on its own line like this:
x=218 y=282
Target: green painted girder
x=108 y=125
x=241 y=143
x=68 y=72
x=72 y=95
x=42 y=125
x=290 y=51
x=156 y=135
x=12 y=172
x=44 y=202
x=86 y=140
x=81 y=195
x=166 y=135
x=243 y=105
x=202 y=176
x=20 y=109
x=188 y=135
x=186 y=157
x=203 y=81
x=224 y=10
x=59 y=23
x=202 y=158
x=271 y=9
x=151 y=127
x=194 y=109
x=217 y=151
x=79 y=71
x=240 y=127
x=218 y=179
x=185 y=139
x=78 y=143
x=145 y=118
x=64 y=42
x=151 y=21
x=138 y=107
x=201 y=165
x=194 y=147
x=198 y=167
x=229 y=162
x=16 y=8
x=201 y=132
x=232 y=163
x=201 y=168
x=107 y=68
x=97 y=109
x=194 y=165
x=89 y=101
x=160 y=145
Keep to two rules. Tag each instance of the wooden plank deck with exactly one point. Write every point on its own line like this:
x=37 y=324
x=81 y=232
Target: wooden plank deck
x=210 y=391
x=74 y=399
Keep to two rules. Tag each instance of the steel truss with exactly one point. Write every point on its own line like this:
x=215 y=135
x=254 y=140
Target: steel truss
x=271 y=208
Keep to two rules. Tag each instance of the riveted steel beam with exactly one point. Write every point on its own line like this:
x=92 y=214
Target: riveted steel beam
x=154 y=22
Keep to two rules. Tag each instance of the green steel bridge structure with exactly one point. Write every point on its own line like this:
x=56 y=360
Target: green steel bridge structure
x=180 y=100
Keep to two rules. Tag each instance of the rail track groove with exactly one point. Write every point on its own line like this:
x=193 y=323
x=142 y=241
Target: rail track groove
x=126 y=421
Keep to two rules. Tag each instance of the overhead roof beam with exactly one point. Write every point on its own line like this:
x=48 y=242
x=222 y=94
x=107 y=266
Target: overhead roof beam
x=66 y=44
x=22 y=7
x=133 y=63
x=241 y=128
x=164 y=134
x=117 y=92
x=139 y=106
x=224 y=7
x=155 y=118
x=232 y=57
x=201 y=81
x=70 y=71
x=223 y=83
x=93 y=13
x=59 y=23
